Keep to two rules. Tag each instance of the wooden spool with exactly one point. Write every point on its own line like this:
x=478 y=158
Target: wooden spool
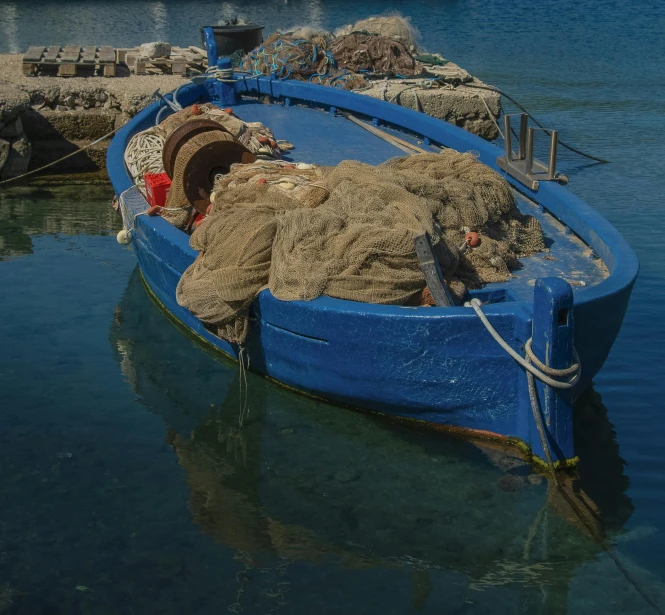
x=181 y=135
x=199 y=161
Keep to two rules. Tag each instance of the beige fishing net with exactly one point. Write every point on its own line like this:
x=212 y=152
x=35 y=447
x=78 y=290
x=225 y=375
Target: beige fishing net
x=348 y=232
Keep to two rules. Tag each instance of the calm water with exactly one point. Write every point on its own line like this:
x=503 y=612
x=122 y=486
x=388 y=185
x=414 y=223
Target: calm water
x=126 y=485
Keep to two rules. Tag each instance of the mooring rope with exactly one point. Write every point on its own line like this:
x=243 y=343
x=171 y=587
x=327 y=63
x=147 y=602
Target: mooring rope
x=535 y=121
x=543 y=373
x=50 y=164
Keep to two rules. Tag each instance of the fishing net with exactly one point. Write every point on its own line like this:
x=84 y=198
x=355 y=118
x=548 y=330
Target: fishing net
x=348 y=232
x=302 y=59
x=395 y=27
x=381 y=55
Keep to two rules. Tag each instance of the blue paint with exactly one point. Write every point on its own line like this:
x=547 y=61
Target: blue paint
x=431 y=364
x=553 y=343
x=211 y=46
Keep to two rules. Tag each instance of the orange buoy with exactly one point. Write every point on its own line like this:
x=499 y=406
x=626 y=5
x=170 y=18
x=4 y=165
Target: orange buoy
x=273 y=143
x=155 y=210
x=472 y=239
x=197 y=220
x=263 y=139
x=229 y=110
x=196 y=110
x=262 y=180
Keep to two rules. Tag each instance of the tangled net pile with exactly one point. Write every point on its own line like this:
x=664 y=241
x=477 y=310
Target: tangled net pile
x=286 y=57
x=348 y=232
x=343 y=62
x=381 y=55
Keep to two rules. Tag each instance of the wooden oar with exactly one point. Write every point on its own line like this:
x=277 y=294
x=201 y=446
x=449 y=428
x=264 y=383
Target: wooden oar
x=405 y=146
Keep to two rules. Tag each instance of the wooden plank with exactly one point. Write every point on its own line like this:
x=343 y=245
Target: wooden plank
x=51 y=54
x=202 y=52
x=139 y=67
x=432 y=272
x=70 y=54
x=122 y=52
x=179 y=67
x=109 y=70
x=106 y=55
x=67 y=69
x=89 y=55
x=34 y=54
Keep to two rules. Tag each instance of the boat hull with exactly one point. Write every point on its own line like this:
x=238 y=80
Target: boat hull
x=436 y=365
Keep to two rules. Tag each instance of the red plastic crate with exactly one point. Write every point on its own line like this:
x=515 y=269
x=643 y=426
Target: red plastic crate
x=157 y=186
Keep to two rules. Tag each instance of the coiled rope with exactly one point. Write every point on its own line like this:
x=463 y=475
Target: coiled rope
x=536 y=369
x=144 y=154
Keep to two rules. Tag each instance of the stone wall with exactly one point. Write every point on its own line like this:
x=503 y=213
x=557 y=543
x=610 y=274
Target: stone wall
x=15 y=147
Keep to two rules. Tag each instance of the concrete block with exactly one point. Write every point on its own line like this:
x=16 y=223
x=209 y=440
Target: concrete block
x=155 y=50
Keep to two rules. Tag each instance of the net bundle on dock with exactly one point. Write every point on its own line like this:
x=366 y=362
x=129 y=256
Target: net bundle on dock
x=345 y=62
x=348 y=232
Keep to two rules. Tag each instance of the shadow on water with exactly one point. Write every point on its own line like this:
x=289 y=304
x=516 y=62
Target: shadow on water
x=307 y=481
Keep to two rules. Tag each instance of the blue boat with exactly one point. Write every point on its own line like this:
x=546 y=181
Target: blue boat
x=439 y=365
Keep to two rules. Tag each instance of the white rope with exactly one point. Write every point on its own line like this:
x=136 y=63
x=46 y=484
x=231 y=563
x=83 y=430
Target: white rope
x=144 y=154
x=543 y=374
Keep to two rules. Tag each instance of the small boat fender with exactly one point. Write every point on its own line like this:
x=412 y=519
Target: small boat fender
x=124 y=237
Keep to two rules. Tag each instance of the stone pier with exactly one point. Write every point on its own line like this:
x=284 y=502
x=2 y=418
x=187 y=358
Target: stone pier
x=45 y=118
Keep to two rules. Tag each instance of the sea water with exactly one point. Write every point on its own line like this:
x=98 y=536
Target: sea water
x=127 y=484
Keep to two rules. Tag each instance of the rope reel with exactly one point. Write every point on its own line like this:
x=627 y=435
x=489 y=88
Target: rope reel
x=199 y=160
x=181 y=135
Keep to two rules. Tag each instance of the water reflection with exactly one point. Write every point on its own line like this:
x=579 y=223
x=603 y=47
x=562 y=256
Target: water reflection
x=29 y=211
x=306 y=481
x=159 y=15
x=9 y=20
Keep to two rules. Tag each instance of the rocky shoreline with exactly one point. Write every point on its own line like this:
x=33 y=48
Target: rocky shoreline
x=45 y=118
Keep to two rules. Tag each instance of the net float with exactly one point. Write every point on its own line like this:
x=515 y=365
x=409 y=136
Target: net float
x=472 y=239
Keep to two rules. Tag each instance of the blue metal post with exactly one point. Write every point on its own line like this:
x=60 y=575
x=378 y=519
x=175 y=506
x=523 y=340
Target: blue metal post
x=552 y=343
x=226 y=92
x=211 y=46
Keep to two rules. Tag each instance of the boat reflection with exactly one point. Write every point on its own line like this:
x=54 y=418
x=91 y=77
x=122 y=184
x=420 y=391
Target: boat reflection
x=305 y=480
